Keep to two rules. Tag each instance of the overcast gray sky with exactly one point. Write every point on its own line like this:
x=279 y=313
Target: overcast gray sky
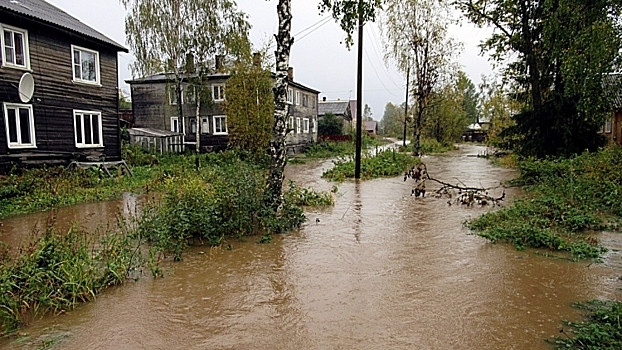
x=319 y=58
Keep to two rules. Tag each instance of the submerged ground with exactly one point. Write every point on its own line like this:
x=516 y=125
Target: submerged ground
x=379 y=270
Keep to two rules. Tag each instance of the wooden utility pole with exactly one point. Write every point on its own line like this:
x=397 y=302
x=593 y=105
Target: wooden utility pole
x=406 y=105
x=359 y=96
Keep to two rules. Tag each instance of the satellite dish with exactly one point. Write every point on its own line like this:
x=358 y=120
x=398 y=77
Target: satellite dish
x=26 y=87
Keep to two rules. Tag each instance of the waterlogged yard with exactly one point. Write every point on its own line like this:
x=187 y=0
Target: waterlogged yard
x=378 y=269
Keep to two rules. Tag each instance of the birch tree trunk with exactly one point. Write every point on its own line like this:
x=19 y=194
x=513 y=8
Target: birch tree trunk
x=278 y=149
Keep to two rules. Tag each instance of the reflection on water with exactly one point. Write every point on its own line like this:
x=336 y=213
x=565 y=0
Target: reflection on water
x=380 y=270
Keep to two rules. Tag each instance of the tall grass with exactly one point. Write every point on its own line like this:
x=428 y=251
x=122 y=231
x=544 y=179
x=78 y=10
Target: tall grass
x=57 y=271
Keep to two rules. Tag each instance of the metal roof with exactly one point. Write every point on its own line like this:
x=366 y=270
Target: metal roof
x=46 y=12
x=371 y=125
x=334 y=107
x=151 y=132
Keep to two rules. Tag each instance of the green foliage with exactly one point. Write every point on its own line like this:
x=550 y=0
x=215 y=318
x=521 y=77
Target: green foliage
x=392 y=123
x=250 y=108
x=347 y=13
x=558 y=54
x=225 y=198
x=330 y=124
x=135 y=155
x=330 y=149
x=386 y=163
x=565 y=199
x=57 y=271
x=601 y=329
x=448 y=117
x=429 y=146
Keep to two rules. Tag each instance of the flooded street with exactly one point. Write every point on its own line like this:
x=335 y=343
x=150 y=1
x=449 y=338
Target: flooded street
x=379 y=270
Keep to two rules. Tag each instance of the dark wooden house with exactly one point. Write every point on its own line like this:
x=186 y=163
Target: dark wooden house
x=155 y=106
x=612 y=129
x=340 y=109
x=72 y=112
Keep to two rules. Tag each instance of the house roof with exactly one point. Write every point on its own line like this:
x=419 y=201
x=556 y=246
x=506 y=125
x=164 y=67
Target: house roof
x=334 y=107
x=151 y=132
x=46 y=12
x=165 y=77
x=371 y=125
x=613 y=86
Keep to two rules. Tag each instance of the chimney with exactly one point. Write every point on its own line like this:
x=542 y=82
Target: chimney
x=290 y=73
x=218 y=63
x=324 y=98
x=257 y=59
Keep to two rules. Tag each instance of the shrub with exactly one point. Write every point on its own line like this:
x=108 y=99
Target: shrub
x=600 y=330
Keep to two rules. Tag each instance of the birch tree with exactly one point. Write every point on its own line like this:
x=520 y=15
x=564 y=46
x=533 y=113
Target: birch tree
x=183 y=38
x=415 y=38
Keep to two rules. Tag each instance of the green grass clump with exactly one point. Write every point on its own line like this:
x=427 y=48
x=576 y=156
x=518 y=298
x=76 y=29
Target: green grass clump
x=602 y=328
x=386 y=163
x=58 y=271
x=565 y=199
x=330 y=149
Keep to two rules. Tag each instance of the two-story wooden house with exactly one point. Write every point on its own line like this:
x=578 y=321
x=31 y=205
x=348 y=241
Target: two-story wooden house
x=155 y=106
x=58 y=88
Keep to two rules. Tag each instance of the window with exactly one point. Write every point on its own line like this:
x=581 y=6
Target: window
x=314 y=99
x=20 y=125
x=305 y=125
x=313 y=125
x=88 y=128
x=290 y=96
x=190 y=94
x=173 y=96
x=297 y=98
x=174 y=124
x=608 y=126
x=193 y=126
x=220 y=125
x=218 y=92
x=85 y=65
x=291 y=123
x=204 y=126
x=15 y=47
x=297 y=125
x=305 y=100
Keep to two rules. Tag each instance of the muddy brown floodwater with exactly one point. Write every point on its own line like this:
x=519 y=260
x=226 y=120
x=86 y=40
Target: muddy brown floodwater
x=380 y=270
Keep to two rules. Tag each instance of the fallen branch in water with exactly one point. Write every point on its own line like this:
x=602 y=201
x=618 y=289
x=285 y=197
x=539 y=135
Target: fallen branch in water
x=466 y=195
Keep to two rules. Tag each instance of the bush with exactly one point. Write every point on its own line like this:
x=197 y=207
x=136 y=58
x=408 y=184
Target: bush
x=224 y=199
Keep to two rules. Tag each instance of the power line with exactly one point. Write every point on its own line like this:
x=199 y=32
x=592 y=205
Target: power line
x=378 y=55
x=377 y=75
x=296 y=39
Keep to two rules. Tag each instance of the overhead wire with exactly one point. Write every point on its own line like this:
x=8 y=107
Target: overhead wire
x=377 y=75
x=376 y=51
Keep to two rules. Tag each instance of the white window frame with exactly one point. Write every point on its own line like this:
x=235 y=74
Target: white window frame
x=290 y=96
x=291 y=123
x=173 y=120
x=297 y=125
x=19 y=144
x=305 y=100
x=214 y=125
x=25 y=44
x=100 y=132
x=313 y=125
x=305 y=125
x=608 y=126
x=73 y=70
x=297 y=98
x=221 y=88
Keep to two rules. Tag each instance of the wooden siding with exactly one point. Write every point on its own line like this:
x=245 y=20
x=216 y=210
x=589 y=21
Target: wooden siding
x=151 y=109
x=56 y=95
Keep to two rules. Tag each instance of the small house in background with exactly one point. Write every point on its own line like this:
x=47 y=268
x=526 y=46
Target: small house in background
x=371 y=127
x=58 y=88
x=157 y=141
x=612 y=128
x=340 y=109
x=474 y=133
x=155 y=108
